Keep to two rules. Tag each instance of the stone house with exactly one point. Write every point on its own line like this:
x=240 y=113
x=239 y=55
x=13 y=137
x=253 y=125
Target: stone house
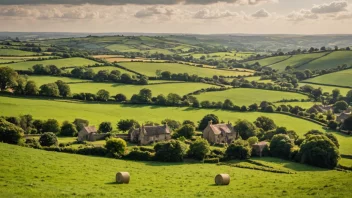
x=320 y=109
x=340 y=118
x=90 y=133
x=259 y=147
x=150 y=134
x=219 y=133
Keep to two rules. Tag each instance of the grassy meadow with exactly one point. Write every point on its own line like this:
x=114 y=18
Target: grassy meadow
x=225 y=55
x=341 y=78
x=15 y=52
x=67 y=62
x=330 y=61
x=149 y=69
x=36 y=173
x=268 y=61
x=296 y=60
x=244 y=96
x=129 y=90
x=109 y=68
x=40 y=80
x=96 y=113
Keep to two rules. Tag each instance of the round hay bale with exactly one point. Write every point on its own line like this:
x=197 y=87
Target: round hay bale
x=122 y=178
x=222 y=179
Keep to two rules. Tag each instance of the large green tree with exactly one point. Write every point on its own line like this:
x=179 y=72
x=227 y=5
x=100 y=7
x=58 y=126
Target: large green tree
x=8 y=78
x=245 y=129
x=265 y=123
x=199 y=148
x=10 y=133
x=205 y=120
x=280 y=146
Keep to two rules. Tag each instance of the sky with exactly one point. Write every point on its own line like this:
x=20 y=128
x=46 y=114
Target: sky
x=178 y=16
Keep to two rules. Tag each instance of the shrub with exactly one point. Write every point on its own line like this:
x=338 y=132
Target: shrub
x=239 y=149
x=120 y=98
x=280 y=146
x=265 y=123
x=10 y=133
x=51 y=125
x=252 y=140
x=116 y=146
x=172 y=151
x=319 y=150
x=245 y=129
x=187 y=131
x=269 y=109
x=199 y=148
x=33 y=143
x=105 y=127
x=68 y=129
x=139 y=155
x=205 y=121
x=48 y=139
x=211 y=160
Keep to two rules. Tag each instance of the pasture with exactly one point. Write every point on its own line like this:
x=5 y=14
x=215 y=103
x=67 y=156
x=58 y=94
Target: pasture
x=96 y=113
x=15 y=52
x=40 y=80
x=296 y=60
x=9 y=60
x=243 y=96
x=330 y=61
x=36 y=173
x=109 y=68
x=225 y=55
x=149 y=69
x=268 y=61
x=129 y=90
x=341 y=78
x=67 y=62
x=327 y=88
x=256 y=78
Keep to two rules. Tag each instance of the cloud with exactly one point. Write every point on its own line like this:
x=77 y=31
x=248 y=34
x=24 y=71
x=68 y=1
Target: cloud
x=208 y=14
x=137 y=2
x=156 y=10
x=333 y=7
x=262 y=13
x=19 y=12
x=301 y=15
x=343 y=16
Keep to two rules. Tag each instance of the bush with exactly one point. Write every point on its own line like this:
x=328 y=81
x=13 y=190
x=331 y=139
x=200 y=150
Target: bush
x=33 y=143
x=187 y=131
x=240 y=149
x=245 y=129
x=172 y=151
x=265 y=123
x=139 y=155
x=211 y=160
x=116 y=146
x=51 y=125
x=205 y=121
x=105 y=127
x=319 y=150
x=199 y=148
x=48 y=139
x=68 y=129
x=280 y=146
x=10 y=133
x=252 y=140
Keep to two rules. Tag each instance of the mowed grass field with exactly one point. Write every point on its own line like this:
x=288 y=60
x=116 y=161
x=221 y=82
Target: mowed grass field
x=149 y=69
x=96 y=113
x=296 y=60
x=15 y=52
x=9 y=60
x=67 y=62
x=330 y=61
x=327 y=88
x=268 y=61
x=341 y=78
x=129 y=90
x=40 y=80
x=36 y=173
x=244 y=96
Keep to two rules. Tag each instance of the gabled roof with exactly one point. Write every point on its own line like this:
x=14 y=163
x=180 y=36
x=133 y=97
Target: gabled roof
x=343 y=116
x=90 y=129
x=219 y=128
x=156 y=130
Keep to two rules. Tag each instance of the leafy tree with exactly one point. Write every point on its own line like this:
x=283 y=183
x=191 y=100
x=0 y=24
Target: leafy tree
x=317 y=93
x=166 y=75
x=126 y=78
x=172 y=151
x=269 y=109
x=143 y=80
x=205 y=121
x=120 y=98
x=280 y=146
x=145 y=95
x=332 y=125
x=335 y=93
x=333 y=138
x=265 y=123
x=187 y=131
x=105 y=127
x=195 y=103
x=80 y=123
x=349 y=96
x=199 y=148
x=102 y=76
x=68 y=129
x=48 y=139
x=21 y=85
x=38 y=124
x=252 y=140
x=125 y=125
x=347 y=123
x=161 y=100
x=227 y=104
x=8 y=78
x=50 y=89
x=10 y=133
x=253 y=107
x=189 y=122
x=245 y=129
x=239 y=149
x=340 y=106
x=31 y=88
x=173 y=124
x=319 y=150
x=116 y=146
x=64 y=89
x=26 y=122
x=13 y=120
x=51 y=125
x=103 y=95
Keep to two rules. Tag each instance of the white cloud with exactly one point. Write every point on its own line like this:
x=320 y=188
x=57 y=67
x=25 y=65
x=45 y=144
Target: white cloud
x=16 y=11
x=262 y=13
x=333 y=7
x=213 y=14
x=343 y=16
x=301 y=15
x=155 y=10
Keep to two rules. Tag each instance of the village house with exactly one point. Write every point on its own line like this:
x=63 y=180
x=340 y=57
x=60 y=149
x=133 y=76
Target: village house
x=89 y=133
x=219 y=133
x=150 y=134
x=320 y=109
x=259 y=147
x=340 y=118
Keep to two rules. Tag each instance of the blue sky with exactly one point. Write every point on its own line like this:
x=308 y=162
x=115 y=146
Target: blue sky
x=179 y=16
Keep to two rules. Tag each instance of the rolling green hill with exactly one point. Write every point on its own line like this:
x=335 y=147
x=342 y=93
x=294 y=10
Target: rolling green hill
x=268 y=61
x=326 y=88
x=296 y=60
x=40 y=80
x=330 y=61
x=15 y=52
x=341 y=78
x=109 y=68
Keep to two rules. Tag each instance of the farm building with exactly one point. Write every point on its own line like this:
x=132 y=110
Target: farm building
x=89 y=133
x=343 y=116
x=149 y=134
x=259 y=147
x=219 y=133
x=320 y=109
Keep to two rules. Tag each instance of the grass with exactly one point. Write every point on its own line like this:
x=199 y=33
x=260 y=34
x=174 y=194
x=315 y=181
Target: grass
x=330 y=61
x=341 y=78
x=67 y=62
x=296 y=60
x=96 y=113
x=305 y=105
x=40 y=80
x=110 y=68
x=326 y=88
x=243 y=96
x=15 y=52
x=9 y=60
x=268 y=61
x=129 y=90
x=37 y=173
x=225 y=55
x=257 y=78
x=149 y=69
x=346 y=162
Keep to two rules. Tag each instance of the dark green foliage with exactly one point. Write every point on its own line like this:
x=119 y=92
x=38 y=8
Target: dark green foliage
x=68 y=129
x=31 y=88
x=13 y=120
x=227 y=104
x=48 y=139
x=38 y=124
x=319 y=150
x=125 y=125
x=189 y=122
x=187 y=131
x=340 y=106
x=105 y=127
x=50 y=89
x=332 y=125
x=173 y=124
x=239 y=149
x=173 y=99
x=116 y=146
x=333 y=138
x=172 y=151
x=80 y=123
x=10 y=133
x=347 y=124
x=245 y=129
x=205 y=121
x=161 y=100
x=269 y=109
x=64 y=89
x=8 y=78
x=280 y=146
x=139 y=155
x=51 y=125
x=265 y=123
x=120 y=98
x=199 y=149
x=103 y=95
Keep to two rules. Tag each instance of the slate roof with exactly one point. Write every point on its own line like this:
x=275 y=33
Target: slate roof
x=90 y=129
x=219 y=128
x=156 y=130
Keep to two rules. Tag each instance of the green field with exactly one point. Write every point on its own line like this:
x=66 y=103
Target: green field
x=268 y=61
x=296 y=60
x=225 y=55
x=256 y=78
x=9 y=60
x=330 y=61
x=341 y=78
x=97 y=113
x=40 y=80
x=67 y=62
x=15 y=52
x=109 y=68
x=329 y=89
x=129 y=90
x=305 y=105
x=36 y=173
x=242 y=96
x=149 y=69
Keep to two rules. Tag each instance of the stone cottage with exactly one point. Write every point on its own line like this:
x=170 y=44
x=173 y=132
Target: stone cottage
x=89 y=133
x=259 y=147
x=320 y=109
x=219 y=133
x=340 y=118
x=150 y=134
